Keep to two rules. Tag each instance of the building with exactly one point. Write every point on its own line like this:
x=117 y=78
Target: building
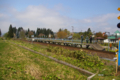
x=113 y=38
x=99 y=39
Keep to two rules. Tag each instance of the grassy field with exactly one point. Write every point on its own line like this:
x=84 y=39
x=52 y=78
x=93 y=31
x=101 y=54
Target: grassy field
x=19 y=64
x=24 y=65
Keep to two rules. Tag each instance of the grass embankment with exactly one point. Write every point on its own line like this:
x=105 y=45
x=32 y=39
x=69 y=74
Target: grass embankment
x=19 y=64
x=105 y=69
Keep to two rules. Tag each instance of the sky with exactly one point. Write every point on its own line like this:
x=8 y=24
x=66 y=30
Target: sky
x=98 y=15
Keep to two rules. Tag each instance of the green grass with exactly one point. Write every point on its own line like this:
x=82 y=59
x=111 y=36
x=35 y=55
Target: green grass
x=108 y=70
x=19 y=64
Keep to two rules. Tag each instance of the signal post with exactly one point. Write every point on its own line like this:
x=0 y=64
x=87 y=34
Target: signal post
x=118 y=54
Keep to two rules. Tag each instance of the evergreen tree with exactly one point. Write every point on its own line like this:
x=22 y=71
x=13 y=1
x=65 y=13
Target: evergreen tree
x=28 y=32
x=10 y=32
x=37 y=32
x=89 y=30
x=44 y=31
x=17 y=34
x=60 y=30
x=19 y=29
x=14 y=29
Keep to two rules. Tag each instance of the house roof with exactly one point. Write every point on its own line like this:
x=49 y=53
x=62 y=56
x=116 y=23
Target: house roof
x=117 y=31
x=113 y=37
x=100 y=38
x=70 y=37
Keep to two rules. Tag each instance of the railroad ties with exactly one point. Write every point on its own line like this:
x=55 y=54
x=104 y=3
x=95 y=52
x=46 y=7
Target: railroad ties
x=73 y=43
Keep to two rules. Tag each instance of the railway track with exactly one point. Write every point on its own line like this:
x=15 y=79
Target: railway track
x=102 y=54
x=66 y=42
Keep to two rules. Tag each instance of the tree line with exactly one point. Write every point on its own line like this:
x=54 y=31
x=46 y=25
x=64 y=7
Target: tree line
x=64 y=33
x=13 y=32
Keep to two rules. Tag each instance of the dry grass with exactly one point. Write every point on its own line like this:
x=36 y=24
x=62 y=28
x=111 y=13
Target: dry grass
x=20 y=64
x=33 y=70
x=50 y=67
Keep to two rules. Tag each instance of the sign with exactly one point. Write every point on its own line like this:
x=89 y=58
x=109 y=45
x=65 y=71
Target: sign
x=118 y=9
x=118 y=17
x=118 y=25
x=119 y=54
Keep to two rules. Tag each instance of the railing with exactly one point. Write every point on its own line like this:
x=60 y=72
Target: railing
x=61 y=40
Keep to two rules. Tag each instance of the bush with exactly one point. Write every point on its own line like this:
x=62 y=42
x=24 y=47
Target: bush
x=106 y=44
x=79 y=55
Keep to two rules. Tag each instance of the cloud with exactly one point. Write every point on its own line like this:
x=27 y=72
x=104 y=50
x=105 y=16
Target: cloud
x=106 y=22
x=42 y=17
x=105 y=17
x=34 y=17
x=87 y=20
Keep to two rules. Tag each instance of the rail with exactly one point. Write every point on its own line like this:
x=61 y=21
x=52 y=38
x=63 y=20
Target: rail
x=67 y=42
x=61 y=40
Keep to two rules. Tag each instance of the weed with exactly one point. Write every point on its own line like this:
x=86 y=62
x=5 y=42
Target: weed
x=52 y=77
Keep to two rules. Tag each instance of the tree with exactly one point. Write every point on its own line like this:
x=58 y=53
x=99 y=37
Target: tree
x=68 y=32
x=17 y=34
x=0 y=33
x=60 y=30
x=26 y=33
x=33 y=32
x=105 y=36
x=76 y=36
x=22 y=34
x=5 y=35
x=19 y=29
x=89 y=30
x=37 y=32
x=99 y=34
x=61 y=34
x=10 y=32
x=28 y=30
x=30 y=33
x=14 y=29
x=44 y=31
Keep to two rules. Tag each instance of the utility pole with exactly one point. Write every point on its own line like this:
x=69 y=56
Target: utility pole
x=108 y=39
x=72 y=32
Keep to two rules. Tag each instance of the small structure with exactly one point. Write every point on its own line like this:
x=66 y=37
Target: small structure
x=99 y=39
x=114 y=38
x=41 y=35
x=70 y=37
x=49 y=35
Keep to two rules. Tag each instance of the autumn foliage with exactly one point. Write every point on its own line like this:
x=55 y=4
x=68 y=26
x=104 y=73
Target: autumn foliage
x=61 y=34
x=30 y=33
x=99 y=34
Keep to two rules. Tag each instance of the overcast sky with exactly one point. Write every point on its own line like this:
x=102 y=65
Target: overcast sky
x=98 y=15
